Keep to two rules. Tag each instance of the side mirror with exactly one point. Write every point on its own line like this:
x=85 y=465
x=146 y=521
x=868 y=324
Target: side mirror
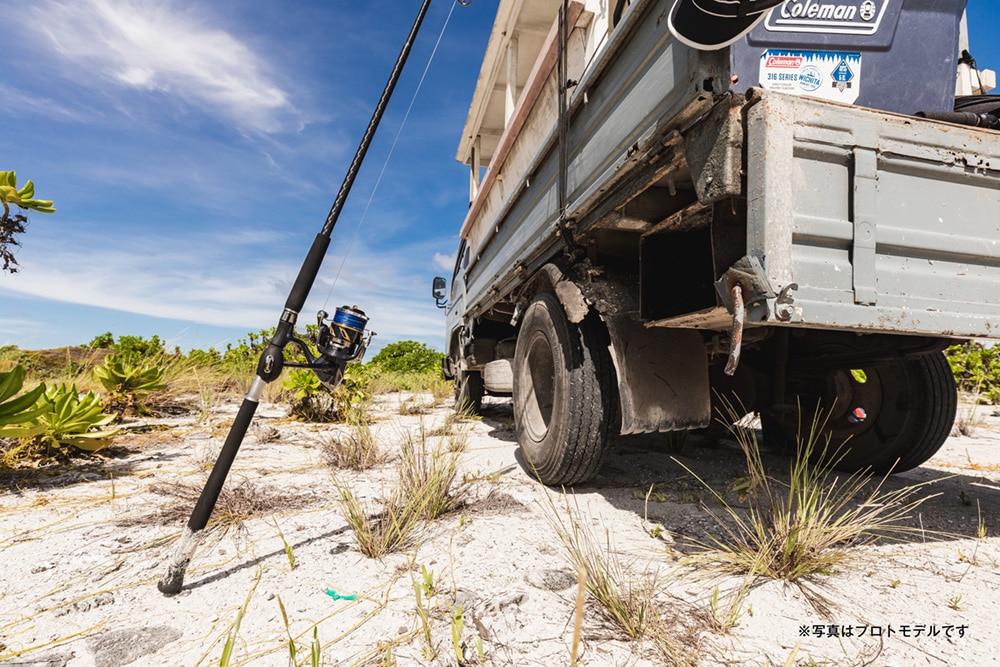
x=440 y=292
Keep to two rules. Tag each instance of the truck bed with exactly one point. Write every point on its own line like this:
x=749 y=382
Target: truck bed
x=860 y=219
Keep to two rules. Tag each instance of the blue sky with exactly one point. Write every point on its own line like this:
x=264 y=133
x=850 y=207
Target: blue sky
x=193 y=150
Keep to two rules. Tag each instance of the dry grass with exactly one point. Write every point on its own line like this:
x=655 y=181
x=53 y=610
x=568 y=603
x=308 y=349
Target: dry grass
x=356 y=450
x=626 y=596
x=390 y=525
x=425 y=489
x=429 y=472
x=197 y=387
x=237 y=504
x=430 y=382
x=810 y=524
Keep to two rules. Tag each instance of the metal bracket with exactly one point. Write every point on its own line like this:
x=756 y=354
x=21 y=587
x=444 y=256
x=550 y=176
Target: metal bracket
x=865 y=216
x=756 y=289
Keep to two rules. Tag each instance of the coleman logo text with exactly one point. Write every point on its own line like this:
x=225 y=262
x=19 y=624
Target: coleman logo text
x=817 y=10
x=793 y=62
x=849 y=17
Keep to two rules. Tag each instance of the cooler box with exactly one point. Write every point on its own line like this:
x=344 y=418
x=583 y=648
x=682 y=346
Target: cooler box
x=893 y=55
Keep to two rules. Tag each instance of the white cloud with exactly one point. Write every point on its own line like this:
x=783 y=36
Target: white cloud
x=444 y=262
x=148 y=45
x=198 y=280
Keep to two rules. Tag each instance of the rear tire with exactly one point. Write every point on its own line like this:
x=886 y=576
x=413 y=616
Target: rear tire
x=469 y=392
x=910 y=407
x=564 y=393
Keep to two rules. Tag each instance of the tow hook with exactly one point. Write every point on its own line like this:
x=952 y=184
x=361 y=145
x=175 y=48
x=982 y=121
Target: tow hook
x=736 y=332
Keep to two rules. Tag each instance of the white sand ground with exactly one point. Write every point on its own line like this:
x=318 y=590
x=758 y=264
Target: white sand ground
x=82 y=550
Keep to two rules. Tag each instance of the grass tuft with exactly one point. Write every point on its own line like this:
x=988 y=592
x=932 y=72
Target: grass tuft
x=812 y=523
x=357 y=450
x=429 y=473
x=625 y=597
x=425 y=490
x=389 y=528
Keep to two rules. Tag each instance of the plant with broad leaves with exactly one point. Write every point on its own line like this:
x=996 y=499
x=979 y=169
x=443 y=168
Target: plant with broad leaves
x=12 y=224
x=128 y=383
x=17 y=413
x=75 y=420
x=23 y=197
x=314 y=402
x=303 y=383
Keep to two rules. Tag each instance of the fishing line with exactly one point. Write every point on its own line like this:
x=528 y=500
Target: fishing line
x=388 y=156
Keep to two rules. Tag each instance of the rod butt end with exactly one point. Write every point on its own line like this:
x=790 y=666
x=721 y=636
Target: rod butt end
x=173 y=580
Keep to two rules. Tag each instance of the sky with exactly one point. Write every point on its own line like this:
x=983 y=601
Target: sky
x=193 y=151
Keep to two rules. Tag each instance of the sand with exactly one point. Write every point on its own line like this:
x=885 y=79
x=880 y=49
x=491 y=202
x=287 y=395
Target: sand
x=83 y=548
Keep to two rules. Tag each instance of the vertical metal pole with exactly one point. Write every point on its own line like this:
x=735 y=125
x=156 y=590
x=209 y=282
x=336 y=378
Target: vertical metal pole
x=563 y=115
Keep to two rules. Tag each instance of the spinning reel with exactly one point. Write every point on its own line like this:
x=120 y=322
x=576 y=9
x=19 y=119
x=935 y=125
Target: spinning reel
x=340 y=340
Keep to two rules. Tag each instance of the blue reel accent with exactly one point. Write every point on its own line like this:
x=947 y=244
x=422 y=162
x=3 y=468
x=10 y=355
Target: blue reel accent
x=351 y=318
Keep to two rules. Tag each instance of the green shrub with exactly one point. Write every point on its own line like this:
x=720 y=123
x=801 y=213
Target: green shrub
x=104 y=341
x=134 y=348
x=407 y=356
x=352 y=393
x=976 y=369
x=137 y=347
x=209 y=358
x=312 y=402
x=315 y=403
x=245 y=353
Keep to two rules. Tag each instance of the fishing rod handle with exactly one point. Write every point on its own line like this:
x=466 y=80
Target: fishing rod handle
x=173 y=579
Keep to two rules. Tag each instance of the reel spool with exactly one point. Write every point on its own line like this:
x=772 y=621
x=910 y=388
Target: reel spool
x=343 y=337
x=341 y=340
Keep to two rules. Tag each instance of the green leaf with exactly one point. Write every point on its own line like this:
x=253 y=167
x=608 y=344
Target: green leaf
x=11 y=382
x=22 y=431
x=23 y=402
x=24 y=198
x=20 y=410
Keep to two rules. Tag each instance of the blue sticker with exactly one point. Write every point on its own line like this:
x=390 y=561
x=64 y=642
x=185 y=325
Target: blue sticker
x=843 y=72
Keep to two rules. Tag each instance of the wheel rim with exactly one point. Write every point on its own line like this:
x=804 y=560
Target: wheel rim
x=844 y=395
x=539 y=392
x=883 y=392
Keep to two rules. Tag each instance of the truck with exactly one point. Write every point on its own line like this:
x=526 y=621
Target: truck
x=796 y=224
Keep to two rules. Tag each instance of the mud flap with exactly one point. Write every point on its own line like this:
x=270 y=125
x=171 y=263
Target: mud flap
x=662 y=377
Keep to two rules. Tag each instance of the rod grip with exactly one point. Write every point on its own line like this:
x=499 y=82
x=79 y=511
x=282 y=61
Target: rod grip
x=307 y=274
x=213 y=487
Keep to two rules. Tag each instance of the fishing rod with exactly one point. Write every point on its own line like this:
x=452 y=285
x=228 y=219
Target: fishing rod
x=340 y=339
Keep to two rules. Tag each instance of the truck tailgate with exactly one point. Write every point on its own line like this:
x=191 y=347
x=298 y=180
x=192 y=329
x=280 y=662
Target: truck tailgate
x=884 y=222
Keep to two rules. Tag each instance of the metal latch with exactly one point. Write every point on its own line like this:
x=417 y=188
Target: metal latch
x=743 y=283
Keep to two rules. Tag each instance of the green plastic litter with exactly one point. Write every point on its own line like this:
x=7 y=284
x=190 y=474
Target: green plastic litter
x=337 y=596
